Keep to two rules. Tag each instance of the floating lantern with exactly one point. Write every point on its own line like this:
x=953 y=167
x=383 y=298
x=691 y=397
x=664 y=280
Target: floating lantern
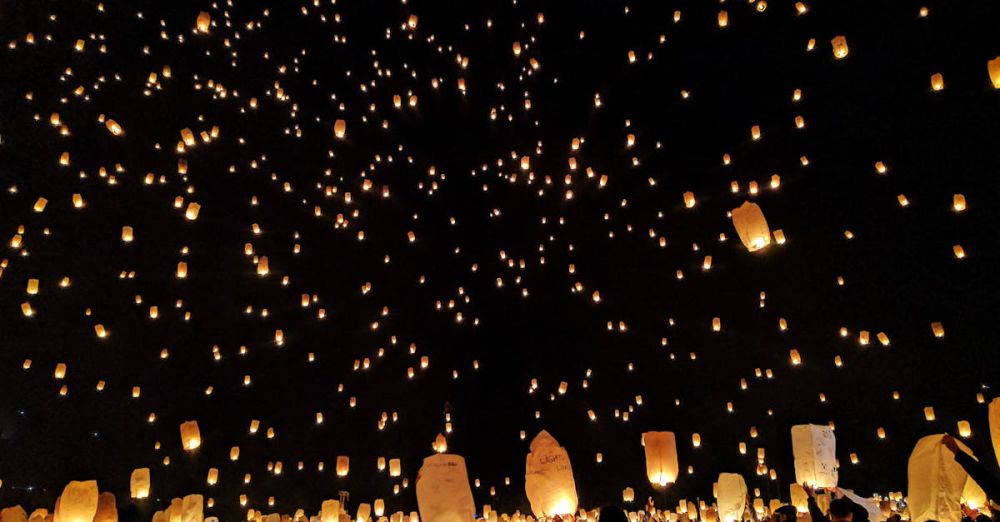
x=937 y=82
x=139 y=483
x=751 y=226
x=662 y=467
x=190 y=435
x=839 y=44
x=203 y=22
x=994 y=68
x=340 y=129
x=343 y=465
x=548 y=478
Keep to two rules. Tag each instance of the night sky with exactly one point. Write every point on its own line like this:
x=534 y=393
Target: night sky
x=455 y=227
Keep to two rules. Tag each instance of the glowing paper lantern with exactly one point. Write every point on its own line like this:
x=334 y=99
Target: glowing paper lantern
x=732 y=497
x=395 y=467
x=628 y=495
x=973 y=495
x=78 y=502
x=443 y=491
x=440 y=444
x=15 y=514
x=330 y=511
x=799 y=498
x=203 y=22
x=548 y=478
x=994 y=68
x=106 y=510
x=994 y=412
x=340 y=129
x=190 y=435
x=662 y=467
x=814 y=448
x=936 y=482
x=192 y=509
x=751 y=226
x=139 y=483
x=114 y=128
x=343 y=465
x=840 y=49
x=937 y=82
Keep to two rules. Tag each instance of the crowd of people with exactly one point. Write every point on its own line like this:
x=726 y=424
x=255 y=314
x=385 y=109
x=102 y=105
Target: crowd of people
x=841 y=508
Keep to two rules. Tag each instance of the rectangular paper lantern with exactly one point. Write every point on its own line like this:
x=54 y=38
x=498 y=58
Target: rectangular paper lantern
x=815 y=450
x=661 y=457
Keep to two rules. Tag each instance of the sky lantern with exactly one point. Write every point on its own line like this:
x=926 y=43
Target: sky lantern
x=689 y=199
x=340 y=129
x=815 y=450
x=662 y=467
x=935 y=481
x=751 y=226
x=192 y=211
x=994 y=69
x=839 y=44
x=343 y=465
x=731 y=497
x=114 y=128
x=330 y=511
x=190 y=435
x=443 y=491
x=994 y=420
x=937 y=82
x=203 y=22
x=139 y=483
x=78 y=502
x=107 y=510
x=548 y=478
x=440 y=444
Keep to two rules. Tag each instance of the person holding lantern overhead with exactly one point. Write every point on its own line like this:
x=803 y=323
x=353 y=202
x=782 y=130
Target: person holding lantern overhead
x=841 y=508
x=988 y=480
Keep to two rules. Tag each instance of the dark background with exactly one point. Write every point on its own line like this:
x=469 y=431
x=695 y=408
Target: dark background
x=874 y=105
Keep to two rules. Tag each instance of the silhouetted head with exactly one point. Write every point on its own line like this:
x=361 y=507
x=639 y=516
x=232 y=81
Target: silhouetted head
x=786 y=513
x=612 y=514
x=840 y=511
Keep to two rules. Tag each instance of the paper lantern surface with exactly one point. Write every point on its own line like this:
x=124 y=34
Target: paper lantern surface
x=139 y=483
x=935 y=482
x=13 y=514
x=994 y=410
x=548 y=478
x=732 y=496
x=662 y=467
x=106 y=508
x=78 y=502
x=192 y=509
x=443 y=491
x=814 y=448
x=751 y=226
